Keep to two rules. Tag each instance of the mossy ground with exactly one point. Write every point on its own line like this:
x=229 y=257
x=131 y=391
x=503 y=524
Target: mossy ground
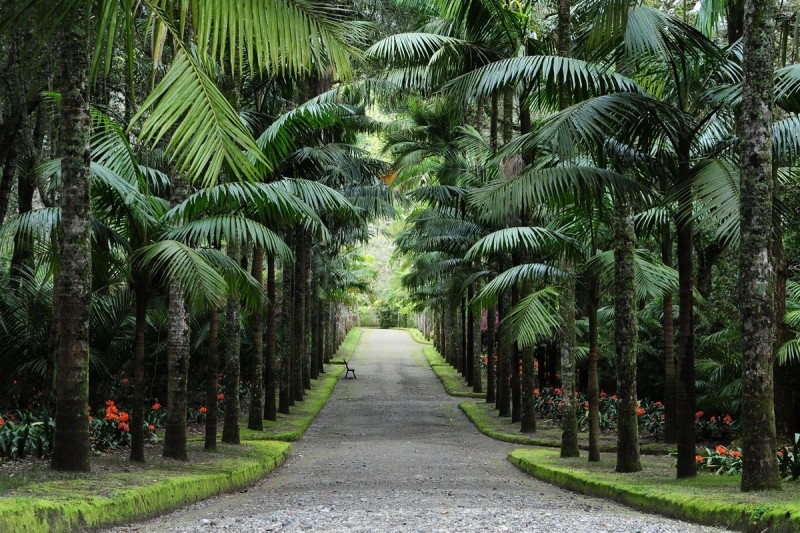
x=707 y=499
x=36 y=499
x=418 y=335
x=453 y=382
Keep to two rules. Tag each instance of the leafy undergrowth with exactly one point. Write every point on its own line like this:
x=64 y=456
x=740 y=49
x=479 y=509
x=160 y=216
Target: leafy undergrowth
x=547 y=434
x=453 y=382
x=706 y=499
x=117 y=490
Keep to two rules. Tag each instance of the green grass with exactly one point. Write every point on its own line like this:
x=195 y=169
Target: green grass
x=418 y=335
x=706 y=499
x=65 y=502
x=348 y=346
x=453 y=383
x=547 y=434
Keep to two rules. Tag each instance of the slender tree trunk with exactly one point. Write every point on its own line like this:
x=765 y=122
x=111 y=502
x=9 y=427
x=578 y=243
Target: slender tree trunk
x=297 y=322
x=516 y=411
x=475 y=325
x=685 y=395
x=593 y=387
x=305 y=351
x=670 y=423
x=569 y=423
x=137 y=411
x=463 y=355
x=491 y=355
x=625 y=340
x=313 y=307
x=255 y=419
x=269 y=356
x=285 y=392
x=71 y=440
x=756 y=277
x=504 y=353
x=177 y=374
x=212 y=375
x=230 y=426
x=527 y=386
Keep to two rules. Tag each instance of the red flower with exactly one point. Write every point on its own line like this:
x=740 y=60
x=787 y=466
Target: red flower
x=123 y=416
x=698 y=415
x=89 y=407
x=124 y=427
x=560 y=405
x=220 y=397
x=203 y=410
x=125 y=381
x=658 y=404
x=722 y=450
x=713 y=418
x=536 y=392
x=151 y=427
x=110 y=403
x=156 y=406
x=2 y=422
x=603 y=395
x=586 y=406
x=727 y=419
x=698 y=458
x=639 y=412
x=736 y=454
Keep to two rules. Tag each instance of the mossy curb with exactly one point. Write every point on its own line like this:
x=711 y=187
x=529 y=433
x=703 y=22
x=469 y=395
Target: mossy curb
x=73 y=509
x=701 y=500
x=453 y=383
x=347 y=347
x=483 y=417
x=418 y=336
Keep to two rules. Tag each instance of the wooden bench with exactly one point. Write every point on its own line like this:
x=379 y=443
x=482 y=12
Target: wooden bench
x=349 y=370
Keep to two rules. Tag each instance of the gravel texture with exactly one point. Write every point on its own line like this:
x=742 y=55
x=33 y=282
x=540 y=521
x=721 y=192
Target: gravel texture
x=392 y=452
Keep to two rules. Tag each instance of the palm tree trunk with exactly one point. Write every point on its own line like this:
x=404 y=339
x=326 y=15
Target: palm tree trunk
x=269 y=356
x=212 y=375
x=625 y=340
x=569 y=423
x=475 y=329
x=463 y=367
x=71 y=440
x=137 y=411
x=756 y=277
x=177 y=374
x=230 y=426
x=670 y=425
x=516 y=411
x=593 y=387
x=313 y=307
x=255 y=419
x=305 y=348
x=297 y=322
x=504 y=354
x=285 y=393
x=685 y=395
x=469 y=335
x=490 y=355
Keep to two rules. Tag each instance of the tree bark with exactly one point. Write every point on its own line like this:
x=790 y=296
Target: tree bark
x=516 y=410
x=71 y=449
x=230 y=426
x=285 y=393
x=177 y=374
x=490 y=354
x=255 y=419
x=625 y=340
x=569 y=422
x=593 y=386
x=269 y=352
x=137 y=411
x=756 y=276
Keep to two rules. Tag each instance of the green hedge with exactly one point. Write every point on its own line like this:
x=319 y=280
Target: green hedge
x=706 y=499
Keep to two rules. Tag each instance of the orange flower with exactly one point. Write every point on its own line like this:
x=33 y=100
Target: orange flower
x=110 y=403
x=586 y=406
x=736 y=454
x=698 y=415
x=203 y=410
x=780 y=453
x=91 y=418
x=220 y=397
x=698 y=458
x=639 y=412
x=123 y=416
x=722 y=450
x=536 y=392
x=560 y=405
x=557 y=392
x=151 y=427
x=2 y=422
x=156 y=406
x=727 y=419
x=124 y=427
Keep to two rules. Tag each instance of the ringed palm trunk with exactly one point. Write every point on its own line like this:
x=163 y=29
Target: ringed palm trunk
x=625 y=340
x=212 y=375
x=490 y=355
x=298 y=356
x=137 y=411
x=255 y=419
x=178 y=356
x=516 y=411
x=230 y=427
x=670 y=425
x=569 y=423
x=504 y=354
x=285 y=393
x=71 y=440
x=756 y=276
x=269 y=352
x=475 y=327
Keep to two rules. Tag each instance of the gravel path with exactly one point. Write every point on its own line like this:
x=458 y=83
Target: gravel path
x=392 y=452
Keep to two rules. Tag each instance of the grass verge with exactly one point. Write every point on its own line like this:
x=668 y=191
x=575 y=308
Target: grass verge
x=85 y=501
x=707 y=499
x=486 y=420
x=347 y=347
x=418 y=336
x=453 y=383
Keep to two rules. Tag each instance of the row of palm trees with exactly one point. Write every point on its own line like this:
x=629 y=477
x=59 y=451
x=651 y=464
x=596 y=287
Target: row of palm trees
x=221 y=210
x=543 y=152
